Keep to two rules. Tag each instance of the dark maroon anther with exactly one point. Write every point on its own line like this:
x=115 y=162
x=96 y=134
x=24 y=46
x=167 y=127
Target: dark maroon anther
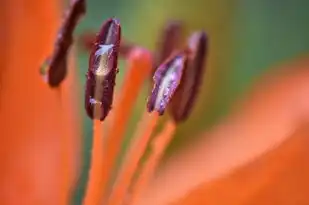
x=186 y=94
x=166 y=81
x=56 y=66
x=102 y=70
x=169 y=41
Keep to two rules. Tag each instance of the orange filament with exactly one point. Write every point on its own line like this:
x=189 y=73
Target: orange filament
x=143 y=134
x=159 y=146
x=94 y=186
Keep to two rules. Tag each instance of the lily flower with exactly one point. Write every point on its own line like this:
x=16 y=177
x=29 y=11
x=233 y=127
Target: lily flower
x=252 y=157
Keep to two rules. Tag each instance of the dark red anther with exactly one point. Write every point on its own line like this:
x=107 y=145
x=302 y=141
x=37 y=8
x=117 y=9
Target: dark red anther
x=185 y=97
x=55 y=68
x=102 y=70
x=166 y=79
x=170 y=40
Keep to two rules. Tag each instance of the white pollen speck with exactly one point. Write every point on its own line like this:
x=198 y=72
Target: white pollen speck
x=94 y=101
x=104 y=49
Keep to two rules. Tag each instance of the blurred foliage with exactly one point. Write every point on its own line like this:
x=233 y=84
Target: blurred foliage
x=247 y=37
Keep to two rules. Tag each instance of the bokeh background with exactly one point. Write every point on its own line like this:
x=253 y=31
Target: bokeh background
x=247 y=38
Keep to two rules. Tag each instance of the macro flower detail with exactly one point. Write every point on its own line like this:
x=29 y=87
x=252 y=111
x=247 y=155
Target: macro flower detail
x=167 y=68
x=51 y=156
x=99 y=94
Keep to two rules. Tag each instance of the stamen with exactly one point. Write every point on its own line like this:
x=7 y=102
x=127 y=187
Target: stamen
x=102 y=71
x=166 y=81
x=185 y=96
x=99 y=98
x=139 y=69
x=54 y=69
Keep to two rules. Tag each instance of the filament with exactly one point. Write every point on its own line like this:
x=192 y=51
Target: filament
x=142 y=137
x=159 y=146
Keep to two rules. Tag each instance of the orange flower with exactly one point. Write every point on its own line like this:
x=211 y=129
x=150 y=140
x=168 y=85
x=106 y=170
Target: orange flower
x=256 y=156
x=39 y=134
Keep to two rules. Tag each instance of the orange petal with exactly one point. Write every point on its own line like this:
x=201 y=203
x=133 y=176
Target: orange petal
x=279 y=177
x=33 y=121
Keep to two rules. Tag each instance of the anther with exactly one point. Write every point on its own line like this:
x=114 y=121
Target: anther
x=166 y=79
x=102 y=70
x=55 y=67
x=186 y=95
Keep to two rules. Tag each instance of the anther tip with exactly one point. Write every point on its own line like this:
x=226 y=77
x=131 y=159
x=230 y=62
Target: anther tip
x=116 y=21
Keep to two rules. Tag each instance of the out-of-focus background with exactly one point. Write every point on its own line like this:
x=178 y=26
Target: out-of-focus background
x=247 y=38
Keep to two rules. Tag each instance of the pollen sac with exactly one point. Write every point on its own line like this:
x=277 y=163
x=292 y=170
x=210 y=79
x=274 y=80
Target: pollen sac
x=169 y=41
x=185 y=96
x=102 y=70
x=166 y=79
x=56 y=66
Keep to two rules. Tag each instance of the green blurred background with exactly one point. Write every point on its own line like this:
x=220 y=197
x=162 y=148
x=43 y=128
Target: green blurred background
x=246 y=38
